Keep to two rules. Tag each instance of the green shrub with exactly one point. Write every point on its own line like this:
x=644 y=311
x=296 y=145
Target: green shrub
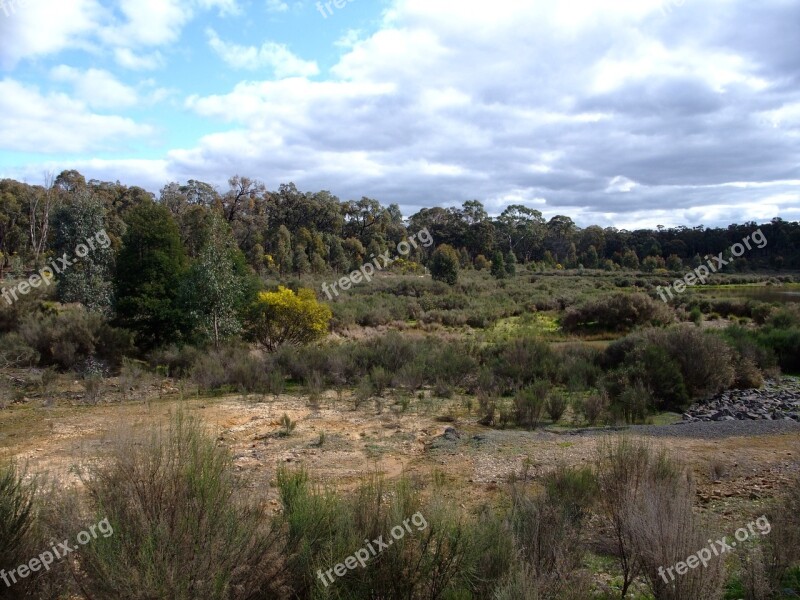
x=573 y=489
x=444 y=265
x=16 y=525
x=617 y=312
x=178 y=360
x=548 y=539
x=556 y=405
x=234 y=367
x=529 y=404
x=182 y=529
x=15 y=352
x=521 y=361
x=74 y=335
x=441 y=554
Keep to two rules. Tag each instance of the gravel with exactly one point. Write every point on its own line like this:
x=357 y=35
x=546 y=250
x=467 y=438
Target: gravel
x=704 y=430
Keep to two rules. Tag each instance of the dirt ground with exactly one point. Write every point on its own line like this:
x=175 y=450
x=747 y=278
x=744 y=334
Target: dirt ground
x=735 y=476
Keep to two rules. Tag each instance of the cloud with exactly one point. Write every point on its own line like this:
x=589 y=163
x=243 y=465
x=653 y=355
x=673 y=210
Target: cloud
x=96 y=88
x=618 y=113
x=53 y=123
x=274 y=6
x=271 y=55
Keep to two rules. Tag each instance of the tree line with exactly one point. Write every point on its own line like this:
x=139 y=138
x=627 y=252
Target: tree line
x=292 y=232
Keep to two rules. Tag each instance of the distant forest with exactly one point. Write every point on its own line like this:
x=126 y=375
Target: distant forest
x=289 y=232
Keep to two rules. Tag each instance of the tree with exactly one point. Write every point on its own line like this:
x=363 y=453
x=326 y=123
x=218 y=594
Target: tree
x=215 y=286
x=444 y=264
x=283 y=250
x=42 y=203
x=630 y=260
x=149 y=270
x=674 y=263
x=511 y=264
x=498 y=266
x=80 y=233
x=286 y=317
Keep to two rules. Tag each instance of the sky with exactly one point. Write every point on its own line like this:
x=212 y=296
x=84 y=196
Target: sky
x=621 y=113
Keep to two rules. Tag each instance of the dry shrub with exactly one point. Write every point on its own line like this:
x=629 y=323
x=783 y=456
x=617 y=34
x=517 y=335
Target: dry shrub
x=646 y=503
x=547 y=531
x=782 y=546
x=594 y=407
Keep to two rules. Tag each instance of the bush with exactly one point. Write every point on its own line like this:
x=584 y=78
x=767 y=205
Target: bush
x=441 y=555
x=547 y=535
x=705 y=360
x=72 y=336
x=556 y=406
x=183 y=531
x=646 y=504
x=782 y=547
x=177 y=360
x=444 y=265
x=521 y=361
x=573 y=489
x=285 y=317
x=529 y=404
x=15 y=352
x=617 y=312
x=594 y=407
x=16 y=524
x=233 y=367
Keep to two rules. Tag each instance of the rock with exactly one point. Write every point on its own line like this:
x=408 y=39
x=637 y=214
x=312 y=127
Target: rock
x=451 y=434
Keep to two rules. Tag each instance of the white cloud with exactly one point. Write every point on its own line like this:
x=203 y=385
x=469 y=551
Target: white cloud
x=96 y=88
x=541 y=103
x=272 y=55
x=274 y=6
x=33 y=122
x=134 y=61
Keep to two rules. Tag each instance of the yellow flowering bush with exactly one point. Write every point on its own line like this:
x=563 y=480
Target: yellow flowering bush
x=286 y=317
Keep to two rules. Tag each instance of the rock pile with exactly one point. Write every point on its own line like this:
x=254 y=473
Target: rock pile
x=776 y=401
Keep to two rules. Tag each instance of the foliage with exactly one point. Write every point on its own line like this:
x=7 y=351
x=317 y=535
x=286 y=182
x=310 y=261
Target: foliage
x=444 y=265
x=215 y=289
x=16 y=521
x=182 y=529
x=149 y=269
x=285 y=317
x=617 y=312
x=81 y=225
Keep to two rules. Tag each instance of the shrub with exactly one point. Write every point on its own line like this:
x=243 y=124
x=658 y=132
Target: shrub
x=594 y=407
x=550 y=548
x=529 y=404
x=444 y=265
x=705 y=360
x=441 y=555
x=16 y=524
x=573 y=489
x=617 y=312
x=521 y=361
x=15 y=352
x=782 y=547
x=178 y=360
x=646 y=503
x=556 y=406
x=235 y=367
x=498 y=266
x=183 y=531
x=286 y=317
